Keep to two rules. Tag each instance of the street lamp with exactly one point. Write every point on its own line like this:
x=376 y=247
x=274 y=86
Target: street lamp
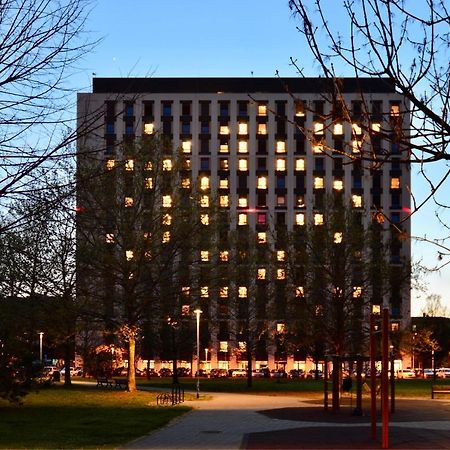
x=197 y=312
x=41 y=335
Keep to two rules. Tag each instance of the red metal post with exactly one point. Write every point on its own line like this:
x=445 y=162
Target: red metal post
x=385 y=381
x=373 y=380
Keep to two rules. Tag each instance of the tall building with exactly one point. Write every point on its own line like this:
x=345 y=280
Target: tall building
x=270 y=153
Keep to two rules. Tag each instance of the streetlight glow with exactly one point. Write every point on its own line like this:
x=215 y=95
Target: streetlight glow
x=197 y=313
x=41 y=335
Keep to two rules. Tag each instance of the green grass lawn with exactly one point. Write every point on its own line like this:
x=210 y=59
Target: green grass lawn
x=81 y=417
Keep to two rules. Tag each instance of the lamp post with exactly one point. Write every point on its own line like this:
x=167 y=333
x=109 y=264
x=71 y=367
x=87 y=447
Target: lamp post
x=197 y=312
x=41 y=336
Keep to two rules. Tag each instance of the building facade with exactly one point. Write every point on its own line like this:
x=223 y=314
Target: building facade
x=266 y=156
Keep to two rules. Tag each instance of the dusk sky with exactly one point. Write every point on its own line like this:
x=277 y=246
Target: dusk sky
x=204 y=38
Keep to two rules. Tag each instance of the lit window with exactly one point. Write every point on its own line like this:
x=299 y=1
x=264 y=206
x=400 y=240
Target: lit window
x=300 y=164
x=204 y=219
x=149 y=128
x=204 y=292
x=261 y=274
x=318 y=127
x=281 y=255
x=109 y=238
x=281 y=200
x=128 y=202
x=317 y=147
x=242 y=292
x=300 y=201
x=318 y=219
x=376 y=309
x=281 y=328
x=395 y=183
x=129 y=255
x=299 y=291
x=187 y=164
x=224 y=255
x=242 y=345
x=223 y=292
x=167 y=219
x=204 y=183
x=262 y=110
x=299 y=108
x=110 y=163
x=376 y=127
x=166 y=237
x=224 y=129
x=395 y=110
x=318 y=183
x=185 y=310
x=242 y=128
x=338 y=185
x=242 y=219
x=262 y=183
x=185 y=291
x=338 y=237
x=242 y=202
x=281 y=274
x=261 y=237
x=262 y=128
x=395 y=326
x=148 y=165
x=129 y=165
x=281 y=164
x=186 y=146
x=242 y=147
x=148 y=183
x=167 y=201
x=223 y=346
x=262 y=219
x=357 y=201
x=223 y=201
x=223 y=183
x=185 y=183
x=299 y=219
x=223 y=148
x=167 y=164
x=281 y=147
x=204 y=255
x=204 y=201
x=338 y=129
x=357 y=130
x=356 y=146
x=242 y=164
x=357 y=291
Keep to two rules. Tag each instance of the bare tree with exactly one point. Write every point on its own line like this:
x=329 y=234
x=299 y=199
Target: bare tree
x=433 y=306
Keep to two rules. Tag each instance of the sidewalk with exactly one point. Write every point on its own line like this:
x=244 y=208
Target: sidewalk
x=239 y=421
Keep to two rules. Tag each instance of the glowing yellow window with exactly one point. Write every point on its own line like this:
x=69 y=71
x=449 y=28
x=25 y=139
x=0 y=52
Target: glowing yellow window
x=148 y=183
x=224 y=201
x=299 y=291
x=167 y=201
x=299 y=219
x=223 y=346
x=300 y=164
x=318 y=127
x=204 y=219
x=242 y=219
x=338 y=185
x=317 y=147
x=376 y=127
x=224 y=255
x=242 y=292
x=129 y=165
x=148 y=165
x=280 y=165
x=281 y=255
x=261 y=237
x=185 y=291
x=223 y=148
x=338 y=129
x=128 y=202
x=224 y=129
x=185 y=310
x=357 y=291
x=167 y=164
x=281 y=147
x=281 y=328
x=395 y=110
x=223 y=183
x=204 y=183
x=262 y=110
x=185 y=183
x=242 y=345
x=242 y=147
x=204 y=201
x=300 y=201
x=242 y=128
x=318 y=219
x=186 y=146
x=204 y=255
x=262 y=128
x=299 y=109
x=109 y=238
x=242 y=202
x=223 y=164
x=357 y=201
x=338 y=237
x=129 y=255
x=110 y=163
x=223 y=292
x=204 y=292
x=356 y=145
x=166 y=237
x=167 y=219
x=261 y=274
x=262 y=183
x=242 y=164
x=281 y=274
x=149 y=128
x=187 y=164
x=318 y=183
x=376 y=309
x=357 y=130
x=395 y=183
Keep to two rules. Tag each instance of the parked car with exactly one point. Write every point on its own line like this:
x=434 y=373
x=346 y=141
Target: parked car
x=201 y=373
x=258 y=373
x=120 y=371
x=183 y=372
x=280 y=373
x=444 y=372
x=429 y=373
x=151 y=373
x=238 y=373
x=74 y=372
x=297 y=373
x=406 y=373
x=218 y=373
x=314 y=374
x=165 y=372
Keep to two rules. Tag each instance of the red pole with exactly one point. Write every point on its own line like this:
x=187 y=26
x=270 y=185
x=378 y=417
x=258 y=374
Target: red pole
x=373 y=380
x=385 y=381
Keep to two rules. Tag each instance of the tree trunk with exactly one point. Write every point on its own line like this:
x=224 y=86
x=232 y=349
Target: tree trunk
x=249 y=368
x=67 y=355
x=131 y=362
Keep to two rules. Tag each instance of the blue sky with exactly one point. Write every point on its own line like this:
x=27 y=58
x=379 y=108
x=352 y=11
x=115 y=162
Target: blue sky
x=198 y=38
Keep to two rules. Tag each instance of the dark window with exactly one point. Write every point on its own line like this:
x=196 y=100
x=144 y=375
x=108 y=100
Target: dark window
x=204 y=146
x=281 y=181
x=186 y=108
x=148 y=109
x=185 y=128
x=110 y=109
x=337 y=163
x=167 y=109
x=319 y=164
x=395 y=165
x=129 y=110
x=395 y=201
x=281 y=218
x=109 y=148
x=242 y=109
x=262 y=146
x=281 y=126
x=204 y=109
x=110 y=128
x=395 y=148
x=224 y=109
x=129 y=129
x=357 y=182
x=356 y=108
x=300 y=181
x=281 y=108
x=376 y=200
x=318 y=107
x=242 y=181
x=300 y=146
x=338 y=145
x=377 y=180
x=262 y=164
x=395 y=217
x=261 y=199
x=167 y=127
x=204 y=128
x=377 y=108
x=204 y=163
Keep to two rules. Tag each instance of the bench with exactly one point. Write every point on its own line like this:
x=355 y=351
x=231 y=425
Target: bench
x=120 y=383
x=104 y=382
x=439 y=389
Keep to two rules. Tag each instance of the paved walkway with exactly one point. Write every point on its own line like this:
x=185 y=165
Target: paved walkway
x=239 y=421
